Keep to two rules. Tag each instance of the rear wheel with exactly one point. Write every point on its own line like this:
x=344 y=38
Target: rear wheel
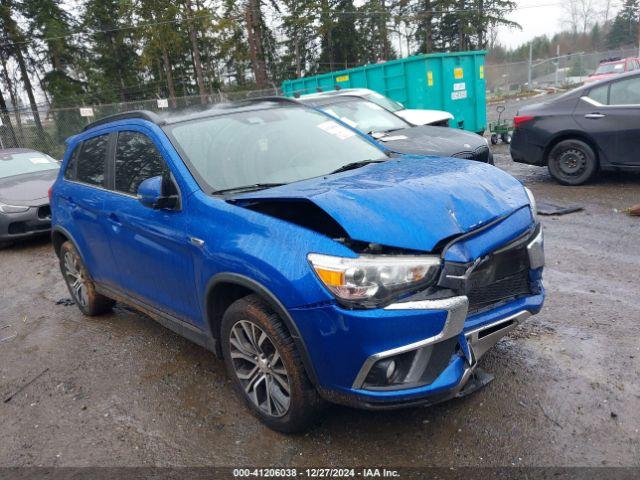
x=572 y=162
x=494 y=139
x=79 y=283
x=506 y=138
x=265 y=368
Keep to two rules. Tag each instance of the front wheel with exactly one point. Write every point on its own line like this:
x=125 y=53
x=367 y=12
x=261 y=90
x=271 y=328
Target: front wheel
x=80 y=285
x=572 y=162
x=265 y=368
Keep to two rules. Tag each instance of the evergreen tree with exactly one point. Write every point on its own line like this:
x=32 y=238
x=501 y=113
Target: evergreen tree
x=624 y=30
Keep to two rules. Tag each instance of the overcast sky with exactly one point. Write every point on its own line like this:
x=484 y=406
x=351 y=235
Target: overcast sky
x=542 y=17
x=536 y=18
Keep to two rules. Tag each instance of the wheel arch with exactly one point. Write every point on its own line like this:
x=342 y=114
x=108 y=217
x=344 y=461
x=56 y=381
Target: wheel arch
x=571 y=135
x=59 y=235
x=225 y=288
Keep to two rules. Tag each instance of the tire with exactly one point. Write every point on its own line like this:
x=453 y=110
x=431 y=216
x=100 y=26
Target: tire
x=506 y=138
x=494 y=139
x=572 y=162
x=251 y=337
x=79 y=283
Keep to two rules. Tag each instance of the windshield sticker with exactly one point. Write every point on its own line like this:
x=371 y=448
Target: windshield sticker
x=39 y=160
x=336 y=130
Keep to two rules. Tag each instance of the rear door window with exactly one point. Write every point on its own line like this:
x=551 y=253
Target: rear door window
x=137 y=159
x=625 y=92
x=91 y=162
x=600 y=94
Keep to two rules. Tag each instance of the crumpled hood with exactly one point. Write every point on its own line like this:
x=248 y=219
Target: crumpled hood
x=30 y=189
x=430 y=140
x=408 y=202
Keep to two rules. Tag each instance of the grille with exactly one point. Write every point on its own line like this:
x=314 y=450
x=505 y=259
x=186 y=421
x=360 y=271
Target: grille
x=480 y=154
x=44 y=211
x=503 y=276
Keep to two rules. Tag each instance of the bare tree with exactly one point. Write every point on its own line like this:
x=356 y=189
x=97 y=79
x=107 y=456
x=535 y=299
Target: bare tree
x=580 y=15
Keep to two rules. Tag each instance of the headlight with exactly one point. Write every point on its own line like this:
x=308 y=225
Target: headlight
x=12 y=208
x=533 y=204
x=371 y=279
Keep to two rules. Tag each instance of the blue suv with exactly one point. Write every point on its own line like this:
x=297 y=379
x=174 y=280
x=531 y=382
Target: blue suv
x=319 y=265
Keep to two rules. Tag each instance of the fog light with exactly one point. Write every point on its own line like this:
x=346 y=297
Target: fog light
x=391 y=369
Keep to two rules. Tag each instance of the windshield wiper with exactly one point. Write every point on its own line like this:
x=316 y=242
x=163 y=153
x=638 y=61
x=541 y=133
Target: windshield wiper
x=354 y=165
x=247 y=188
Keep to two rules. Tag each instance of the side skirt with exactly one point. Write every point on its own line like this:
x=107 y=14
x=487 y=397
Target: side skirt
x=175 y=324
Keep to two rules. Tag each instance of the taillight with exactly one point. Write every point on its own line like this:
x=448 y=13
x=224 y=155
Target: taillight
x=49 y=192
x=518 y=120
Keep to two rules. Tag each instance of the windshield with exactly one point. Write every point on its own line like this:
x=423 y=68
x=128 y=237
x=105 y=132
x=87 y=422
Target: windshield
x=384 y=102
x=366 y=116
x=610 y=68
x=271 y=146
x=25 y=162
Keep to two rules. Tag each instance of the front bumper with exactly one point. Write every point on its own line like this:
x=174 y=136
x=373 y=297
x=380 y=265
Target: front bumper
x=345 y=345
x=16 y=226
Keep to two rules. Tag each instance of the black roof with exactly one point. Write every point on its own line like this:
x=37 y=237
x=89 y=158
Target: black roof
x=215 y=110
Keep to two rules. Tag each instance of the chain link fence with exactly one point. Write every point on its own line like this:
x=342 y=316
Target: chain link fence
x=561 y=72
x=18 y=128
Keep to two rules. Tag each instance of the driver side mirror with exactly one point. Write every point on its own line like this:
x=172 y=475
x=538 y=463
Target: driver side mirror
x=159 y=193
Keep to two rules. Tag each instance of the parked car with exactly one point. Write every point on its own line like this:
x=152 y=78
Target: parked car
x=317 y=265
x=25 y=178
x=415 y=116
x=594 y=127
x=613 y=66
x=397 y=134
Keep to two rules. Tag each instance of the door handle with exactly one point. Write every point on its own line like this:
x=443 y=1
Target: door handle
x=198 y=242
x=113 y=218
x=594 y=116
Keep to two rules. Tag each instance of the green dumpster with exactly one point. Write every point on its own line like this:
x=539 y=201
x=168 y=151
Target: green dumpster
x=453 y=82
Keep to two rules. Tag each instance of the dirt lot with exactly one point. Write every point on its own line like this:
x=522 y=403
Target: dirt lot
x=121 y=390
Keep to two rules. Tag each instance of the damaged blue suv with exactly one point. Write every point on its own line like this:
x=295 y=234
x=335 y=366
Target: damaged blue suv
x=319 y=265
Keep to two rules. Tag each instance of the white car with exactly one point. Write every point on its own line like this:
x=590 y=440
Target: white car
x=414 y=116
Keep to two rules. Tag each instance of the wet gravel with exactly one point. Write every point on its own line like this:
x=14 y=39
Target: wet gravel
x=121 y=391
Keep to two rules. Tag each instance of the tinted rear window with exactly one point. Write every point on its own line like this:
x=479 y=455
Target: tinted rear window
x=91 y=161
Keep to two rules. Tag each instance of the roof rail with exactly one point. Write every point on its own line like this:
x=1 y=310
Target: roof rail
x=273 y=98
x=141 y=114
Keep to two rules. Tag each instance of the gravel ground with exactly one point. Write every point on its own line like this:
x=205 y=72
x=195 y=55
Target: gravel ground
x=120 y=390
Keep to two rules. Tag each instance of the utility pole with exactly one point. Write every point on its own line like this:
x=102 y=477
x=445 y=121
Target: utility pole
x=529 y=86
x=557 y=63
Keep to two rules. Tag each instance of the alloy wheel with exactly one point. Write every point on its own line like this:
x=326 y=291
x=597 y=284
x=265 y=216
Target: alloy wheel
x=75 y=279
x=259 y=367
